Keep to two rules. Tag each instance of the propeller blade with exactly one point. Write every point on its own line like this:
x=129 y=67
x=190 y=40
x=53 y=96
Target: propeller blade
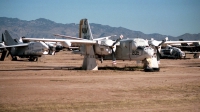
x=113 y=56
x=121 y=36
x=163 y=41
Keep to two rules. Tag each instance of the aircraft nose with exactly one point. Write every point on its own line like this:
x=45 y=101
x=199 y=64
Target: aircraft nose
x=149 y=51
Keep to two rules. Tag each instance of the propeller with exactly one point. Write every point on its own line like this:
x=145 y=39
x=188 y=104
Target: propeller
x=113 y=52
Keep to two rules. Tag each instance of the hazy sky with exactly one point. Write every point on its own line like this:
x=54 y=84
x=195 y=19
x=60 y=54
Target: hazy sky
x=168 y=17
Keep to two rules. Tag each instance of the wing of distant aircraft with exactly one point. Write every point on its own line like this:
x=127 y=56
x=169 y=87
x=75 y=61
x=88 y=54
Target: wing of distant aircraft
x=18 y=45
x=179 y=42
x=155 y=42
x=65 y=42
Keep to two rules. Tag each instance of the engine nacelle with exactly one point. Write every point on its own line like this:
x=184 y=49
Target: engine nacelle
x=106 y=42
x=66 y=44
x=102 y=50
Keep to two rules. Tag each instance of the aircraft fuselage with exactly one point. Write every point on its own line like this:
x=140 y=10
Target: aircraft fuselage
x=33 y=49
x=132 y=50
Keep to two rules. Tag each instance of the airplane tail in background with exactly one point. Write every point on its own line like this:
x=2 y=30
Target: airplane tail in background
x=8 y=40
x=84 y=30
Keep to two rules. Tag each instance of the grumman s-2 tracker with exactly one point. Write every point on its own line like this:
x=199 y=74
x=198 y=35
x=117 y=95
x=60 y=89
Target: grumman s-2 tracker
x=31 y=50
x=104 y=48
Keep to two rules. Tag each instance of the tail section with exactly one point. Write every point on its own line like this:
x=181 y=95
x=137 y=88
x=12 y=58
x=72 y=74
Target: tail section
x=8 y=39
x=84 y=30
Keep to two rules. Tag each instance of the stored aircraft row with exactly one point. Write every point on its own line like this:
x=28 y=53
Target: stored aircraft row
x=138 y=49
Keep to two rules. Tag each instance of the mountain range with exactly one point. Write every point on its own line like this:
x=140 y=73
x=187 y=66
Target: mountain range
x=44 y=28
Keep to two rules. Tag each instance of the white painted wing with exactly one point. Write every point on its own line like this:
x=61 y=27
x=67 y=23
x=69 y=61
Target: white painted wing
x=171 y=42
x=65 y=42
x=45 y=40
x=69 y=37
x=107 y=37
x=179 y=42
x=83 y=41
x=18 y=45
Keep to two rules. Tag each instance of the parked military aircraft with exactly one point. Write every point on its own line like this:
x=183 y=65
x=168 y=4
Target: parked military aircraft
x=31 y=50
x=172 y=52
x=173 y=49
x=189 y=48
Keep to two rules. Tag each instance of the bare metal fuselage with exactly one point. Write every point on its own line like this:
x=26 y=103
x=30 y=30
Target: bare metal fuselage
x=128 y=50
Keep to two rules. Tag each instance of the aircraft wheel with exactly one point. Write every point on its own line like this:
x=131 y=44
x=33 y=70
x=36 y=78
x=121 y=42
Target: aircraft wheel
x=31 y=59
x=14 y=58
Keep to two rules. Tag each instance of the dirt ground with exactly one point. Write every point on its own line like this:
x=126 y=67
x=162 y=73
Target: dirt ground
x=52 y=84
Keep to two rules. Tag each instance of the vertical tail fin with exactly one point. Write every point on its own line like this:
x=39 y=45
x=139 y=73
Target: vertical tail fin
x=84 y=30
x=8 y=39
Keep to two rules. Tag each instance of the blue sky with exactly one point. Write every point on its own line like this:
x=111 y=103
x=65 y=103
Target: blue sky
x=168 y=17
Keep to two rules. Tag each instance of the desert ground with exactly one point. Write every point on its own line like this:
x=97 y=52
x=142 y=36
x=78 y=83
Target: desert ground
x=55 y=83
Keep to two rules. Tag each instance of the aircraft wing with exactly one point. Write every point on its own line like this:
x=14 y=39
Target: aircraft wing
x=101 y=38
x=76 y=38
x=45 y=40
x=164 y=43
x=179 y=42
x=18 y=45
x=65 y=42
x=58 y=40
x=82 y=41
x=70 y=37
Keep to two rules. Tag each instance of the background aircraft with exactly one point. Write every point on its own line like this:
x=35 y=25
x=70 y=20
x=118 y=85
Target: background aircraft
x=174 y=49
x=172 y=52
x=189 y=48
x=31 y=50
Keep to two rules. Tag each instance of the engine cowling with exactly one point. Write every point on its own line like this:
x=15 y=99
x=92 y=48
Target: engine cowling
x=139 y=42
x=102 y=50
